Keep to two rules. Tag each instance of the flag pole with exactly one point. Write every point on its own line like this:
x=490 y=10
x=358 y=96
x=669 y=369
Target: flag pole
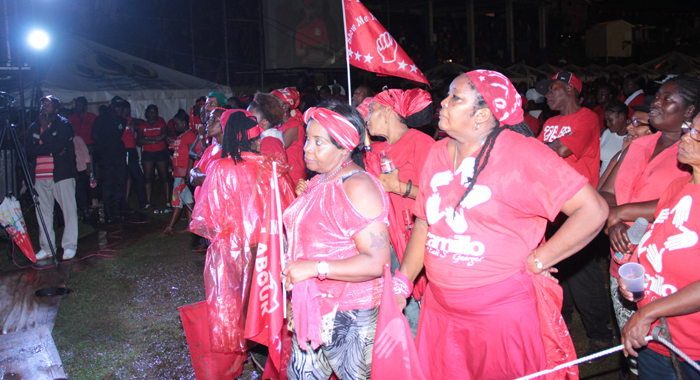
x=347 y=56
x=278 y=205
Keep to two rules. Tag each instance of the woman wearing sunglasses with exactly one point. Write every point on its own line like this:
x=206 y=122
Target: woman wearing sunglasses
x=643 y=173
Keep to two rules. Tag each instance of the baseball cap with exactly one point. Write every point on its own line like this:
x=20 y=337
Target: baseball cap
x=116 y=100
x=566 y=77
x=646 y=105
x=535 y=96
x=53 y=100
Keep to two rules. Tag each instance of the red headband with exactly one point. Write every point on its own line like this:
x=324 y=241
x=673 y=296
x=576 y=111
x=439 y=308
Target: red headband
x=337 y=126
x=252 y=132
x=503 y=99
x=404 y=103
x=363 y=108
x=289 y=95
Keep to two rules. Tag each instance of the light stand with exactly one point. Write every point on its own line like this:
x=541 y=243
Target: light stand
x=8 y=131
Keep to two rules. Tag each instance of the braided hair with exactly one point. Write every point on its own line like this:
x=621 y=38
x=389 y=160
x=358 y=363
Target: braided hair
x=236 y=139
x=483 y=157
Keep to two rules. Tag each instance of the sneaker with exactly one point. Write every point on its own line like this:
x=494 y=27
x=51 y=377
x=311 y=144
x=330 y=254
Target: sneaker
x=68 y=254
x=595 y=346
x=41 y=255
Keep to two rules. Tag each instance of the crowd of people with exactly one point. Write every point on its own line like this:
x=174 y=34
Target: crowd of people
x=482 y=197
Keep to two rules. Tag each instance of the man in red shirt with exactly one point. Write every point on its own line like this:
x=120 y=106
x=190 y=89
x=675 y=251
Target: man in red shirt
x=575 y=136
x=82 y=126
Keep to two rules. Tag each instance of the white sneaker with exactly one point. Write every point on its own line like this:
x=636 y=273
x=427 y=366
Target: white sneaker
x=68 y=254
x=42 y=255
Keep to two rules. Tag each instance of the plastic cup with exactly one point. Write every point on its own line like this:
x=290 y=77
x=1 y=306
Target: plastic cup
x=632 y=275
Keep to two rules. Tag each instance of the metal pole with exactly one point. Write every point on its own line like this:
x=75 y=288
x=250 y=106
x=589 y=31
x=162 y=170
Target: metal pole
x=262 y=47
x=228 y=81
x=192 y=40
x=7 y=35
x=347 y=56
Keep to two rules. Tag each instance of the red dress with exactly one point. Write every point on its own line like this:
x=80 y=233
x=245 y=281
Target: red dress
x=480 y=316
x=229 y=213
x=641 y=180
x=295 y=152
x=670 y=254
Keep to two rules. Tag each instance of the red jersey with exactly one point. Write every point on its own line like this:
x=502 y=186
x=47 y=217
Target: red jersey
x=581 y=134
x=487 y=238
x=670 y=254
x=295 y=152
x=181 y=153
x=640 y=179
x=150 y=131
x=83 y=128
x=129 y=136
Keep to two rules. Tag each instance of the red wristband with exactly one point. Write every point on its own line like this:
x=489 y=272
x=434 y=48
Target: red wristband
x=401 y=284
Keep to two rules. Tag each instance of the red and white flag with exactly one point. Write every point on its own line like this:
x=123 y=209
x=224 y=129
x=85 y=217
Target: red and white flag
x=265 y=322
x=372 y=48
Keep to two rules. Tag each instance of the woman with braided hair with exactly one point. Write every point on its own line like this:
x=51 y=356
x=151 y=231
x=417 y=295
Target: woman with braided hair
x=484 y=197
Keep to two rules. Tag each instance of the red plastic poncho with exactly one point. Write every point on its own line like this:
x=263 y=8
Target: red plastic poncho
x=229 y=213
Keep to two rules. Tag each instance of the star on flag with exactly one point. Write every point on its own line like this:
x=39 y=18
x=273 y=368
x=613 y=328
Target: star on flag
x=402 y=65
x=414 y=69
x=368 y=58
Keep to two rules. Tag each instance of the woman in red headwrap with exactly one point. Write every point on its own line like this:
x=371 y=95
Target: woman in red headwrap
x=294 y=133
x=338 y=245
x=391 y=113
x=229 y=213
x=483 y=201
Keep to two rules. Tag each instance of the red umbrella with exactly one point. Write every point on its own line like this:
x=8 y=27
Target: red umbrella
x=13 y=221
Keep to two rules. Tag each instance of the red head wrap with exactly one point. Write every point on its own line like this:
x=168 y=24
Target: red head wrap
x=502 y=98
x=289 y=95
x=363 y=108
x=252 y=132
x=337 y=126
x=404 y=103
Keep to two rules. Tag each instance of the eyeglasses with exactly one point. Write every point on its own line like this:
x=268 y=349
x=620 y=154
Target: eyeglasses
x=636 y=123
x=688 y=127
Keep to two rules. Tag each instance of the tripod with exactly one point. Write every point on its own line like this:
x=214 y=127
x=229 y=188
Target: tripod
x=9 y=132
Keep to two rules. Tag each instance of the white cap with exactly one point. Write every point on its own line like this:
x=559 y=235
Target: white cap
x=535 y=96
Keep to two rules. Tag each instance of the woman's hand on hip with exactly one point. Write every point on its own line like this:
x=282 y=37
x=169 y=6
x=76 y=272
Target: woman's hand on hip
x=299 y=271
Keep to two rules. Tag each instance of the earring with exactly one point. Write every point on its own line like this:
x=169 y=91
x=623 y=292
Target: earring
x=476 y=126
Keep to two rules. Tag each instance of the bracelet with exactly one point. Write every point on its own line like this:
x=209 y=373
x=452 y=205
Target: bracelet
x=401 y=284
x=538 y=263
x=409 y=185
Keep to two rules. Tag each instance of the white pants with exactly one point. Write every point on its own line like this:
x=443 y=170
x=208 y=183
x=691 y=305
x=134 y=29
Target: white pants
x=64 y=193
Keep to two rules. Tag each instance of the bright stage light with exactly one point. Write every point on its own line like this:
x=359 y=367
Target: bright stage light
x=38 y=39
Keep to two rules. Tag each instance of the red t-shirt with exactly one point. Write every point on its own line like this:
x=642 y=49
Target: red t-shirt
x=295 y=152
x=601 y=116
x=533 y=123
x=670 y=254
x=580 y=133
x=150 y=131
x=313 y=34
x=83 y=128
x=642 y=180
x=129 y=136
x=181 y=153
x=171 y=127
x=503 y=218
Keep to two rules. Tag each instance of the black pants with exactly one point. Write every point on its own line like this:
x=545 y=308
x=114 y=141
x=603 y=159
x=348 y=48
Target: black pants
x=136 y=173
x=82 y=190
x=583 y=283
x=113 y=170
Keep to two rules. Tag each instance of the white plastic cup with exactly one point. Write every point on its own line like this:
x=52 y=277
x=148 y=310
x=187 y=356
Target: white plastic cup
x=632 y=275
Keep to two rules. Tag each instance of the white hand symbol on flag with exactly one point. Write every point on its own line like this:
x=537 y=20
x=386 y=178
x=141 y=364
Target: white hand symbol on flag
x=391 y=337
x=386 y=47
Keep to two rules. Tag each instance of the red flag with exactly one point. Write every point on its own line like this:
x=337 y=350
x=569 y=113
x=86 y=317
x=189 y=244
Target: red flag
x=394 y=355
x=372 y=48
x=265 y=319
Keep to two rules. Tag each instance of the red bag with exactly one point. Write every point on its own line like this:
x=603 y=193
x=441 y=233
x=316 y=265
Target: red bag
x=207 y=365
x=394 y=355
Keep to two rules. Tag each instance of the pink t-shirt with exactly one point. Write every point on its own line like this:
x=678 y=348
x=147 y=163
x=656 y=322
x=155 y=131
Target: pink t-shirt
x=503 y=218
x=581 y=134
x=295 y=152
x=641 y=180
x=321 y=224
x=670 y=254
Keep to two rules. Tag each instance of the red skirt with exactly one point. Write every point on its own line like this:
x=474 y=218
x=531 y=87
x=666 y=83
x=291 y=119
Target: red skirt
x=490 y=332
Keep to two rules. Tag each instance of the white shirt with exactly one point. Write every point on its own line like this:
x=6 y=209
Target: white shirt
x=610 y=144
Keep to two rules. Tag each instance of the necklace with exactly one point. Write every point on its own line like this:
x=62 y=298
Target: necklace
x=324 y=176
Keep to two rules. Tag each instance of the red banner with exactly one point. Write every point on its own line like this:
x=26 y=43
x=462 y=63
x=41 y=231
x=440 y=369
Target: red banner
x=372 y=48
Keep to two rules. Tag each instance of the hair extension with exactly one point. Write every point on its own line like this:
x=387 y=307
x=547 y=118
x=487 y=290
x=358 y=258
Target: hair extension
x=349 y=112
x=235 y=139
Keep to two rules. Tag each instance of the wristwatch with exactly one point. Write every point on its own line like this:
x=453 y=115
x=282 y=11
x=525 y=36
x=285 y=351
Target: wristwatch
x=322 y=268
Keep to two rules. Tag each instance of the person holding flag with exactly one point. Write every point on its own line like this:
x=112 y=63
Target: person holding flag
x=391 y=113
x=338 y=245
x=491 y=309
x=229 y=212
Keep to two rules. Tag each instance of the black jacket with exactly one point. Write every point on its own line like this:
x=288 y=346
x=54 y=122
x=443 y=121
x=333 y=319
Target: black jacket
x=107 y=131
x=57 y=141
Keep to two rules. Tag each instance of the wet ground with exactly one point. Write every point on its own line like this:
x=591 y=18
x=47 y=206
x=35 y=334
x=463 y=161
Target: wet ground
x=121 y=320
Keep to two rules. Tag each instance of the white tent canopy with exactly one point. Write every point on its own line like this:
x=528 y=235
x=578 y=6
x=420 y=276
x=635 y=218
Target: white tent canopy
x=86 y=68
